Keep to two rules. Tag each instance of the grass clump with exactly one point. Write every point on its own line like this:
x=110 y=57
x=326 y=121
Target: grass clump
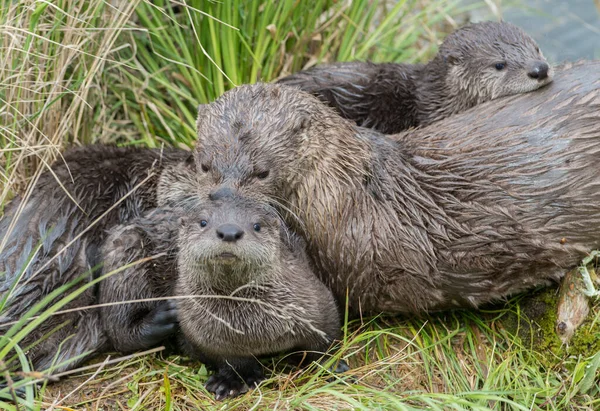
x=134 y=72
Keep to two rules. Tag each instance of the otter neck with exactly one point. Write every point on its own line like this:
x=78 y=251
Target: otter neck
x=346 y=158
x=342 y=166
x=441 y=91
x=224 y=279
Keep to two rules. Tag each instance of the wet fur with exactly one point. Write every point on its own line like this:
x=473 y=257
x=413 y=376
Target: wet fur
x=466 y=211
x=97 y=177
x=283 y=305
x=391 y=97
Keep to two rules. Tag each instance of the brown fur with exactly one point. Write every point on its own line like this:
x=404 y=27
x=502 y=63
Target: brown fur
x=265 y=298
x=466 y=211
x=96 y=177
x=391 y=97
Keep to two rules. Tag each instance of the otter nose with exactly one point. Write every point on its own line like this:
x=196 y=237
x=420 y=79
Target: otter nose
x=539 y=70
x=220 y=193
x=230 y=232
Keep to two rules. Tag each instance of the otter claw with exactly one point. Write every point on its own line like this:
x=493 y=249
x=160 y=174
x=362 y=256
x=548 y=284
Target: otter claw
x=227 y=386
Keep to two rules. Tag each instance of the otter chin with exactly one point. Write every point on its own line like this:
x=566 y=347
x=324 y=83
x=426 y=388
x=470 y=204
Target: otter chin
x=477 y=63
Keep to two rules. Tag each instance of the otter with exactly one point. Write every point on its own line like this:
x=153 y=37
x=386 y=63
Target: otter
x=264 y=297
x=255 y=293
x=54 y=239
x=476 y=63
x=469 y=210
x=285 y=316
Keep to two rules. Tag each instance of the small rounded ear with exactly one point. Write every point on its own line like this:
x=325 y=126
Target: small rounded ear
x=190 y=162
x=452 y=59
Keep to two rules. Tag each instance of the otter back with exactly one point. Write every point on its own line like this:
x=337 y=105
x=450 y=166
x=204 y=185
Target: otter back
x=476 y=63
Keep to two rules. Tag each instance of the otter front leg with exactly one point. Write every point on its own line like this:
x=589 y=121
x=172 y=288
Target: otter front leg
x=232 y=376
x=140 y=325
x=154 y=328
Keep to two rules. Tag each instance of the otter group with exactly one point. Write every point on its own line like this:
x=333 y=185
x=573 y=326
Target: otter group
x=468 y=210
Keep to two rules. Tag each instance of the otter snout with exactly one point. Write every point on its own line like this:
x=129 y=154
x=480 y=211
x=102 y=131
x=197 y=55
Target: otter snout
x=230 y=232
x=538 y=70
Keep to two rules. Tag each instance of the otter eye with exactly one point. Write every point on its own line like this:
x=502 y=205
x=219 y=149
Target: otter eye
x=500 y=66
x=203 y=223
x=262 y=175
x=256 y=227
x=205 y=168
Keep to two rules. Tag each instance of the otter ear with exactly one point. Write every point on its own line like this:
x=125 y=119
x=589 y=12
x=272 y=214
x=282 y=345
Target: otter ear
x=190 y=162
x=452 y=59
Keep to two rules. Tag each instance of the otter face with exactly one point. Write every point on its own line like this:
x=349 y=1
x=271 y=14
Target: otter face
x=228 y=245
x=252 y=139
x=493 y=59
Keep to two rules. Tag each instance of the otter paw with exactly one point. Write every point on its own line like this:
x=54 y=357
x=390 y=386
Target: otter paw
x=160 y=323
x=339 y=368
x=228 y=384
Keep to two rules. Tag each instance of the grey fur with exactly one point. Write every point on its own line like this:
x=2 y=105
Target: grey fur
x=264 y=300
x=466 y=211
x=391 y=97
x=97 y=177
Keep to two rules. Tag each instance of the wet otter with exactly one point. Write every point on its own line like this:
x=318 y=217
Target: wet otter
x=260 y=296
x=282 y=278
x=476 y=63
x=35 y=232
x=264 y=297
x=465 y=211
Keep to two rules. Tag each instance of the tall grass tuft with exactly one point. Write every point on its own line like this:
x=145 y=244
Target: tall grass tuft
x=190 y=54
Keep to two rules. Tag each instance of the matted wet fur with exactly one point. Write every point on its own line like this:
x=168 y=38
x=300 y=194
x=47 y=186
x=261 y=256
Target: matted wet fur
x=255 y=292
x=476 y=63
x=96 y=177
x=487 y=203
x=263 y=296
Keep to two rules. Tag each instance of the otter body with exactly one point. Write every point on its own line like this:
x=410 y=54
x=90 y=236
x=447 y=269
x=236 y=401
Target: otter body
x=262 y=299
x=487 y=203
x=96 y=177
x=476 y=63
x=255 y=292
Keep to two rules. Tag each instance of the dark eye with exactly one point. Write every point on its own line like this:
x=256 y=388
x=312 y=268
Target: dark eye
x=500 y=66
x=256 y=227
x=203 y=223
x=205 y=168
x=262 y=175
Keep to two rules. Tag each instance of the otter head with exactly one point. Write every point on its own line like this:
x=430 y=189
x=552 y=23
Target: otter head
x=257 y=140
x=227 y=245
x=488 y=60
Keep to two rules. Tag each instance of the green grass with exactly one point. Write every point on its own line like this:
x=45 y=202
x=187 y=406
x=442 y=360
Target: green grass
x=133 y=73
